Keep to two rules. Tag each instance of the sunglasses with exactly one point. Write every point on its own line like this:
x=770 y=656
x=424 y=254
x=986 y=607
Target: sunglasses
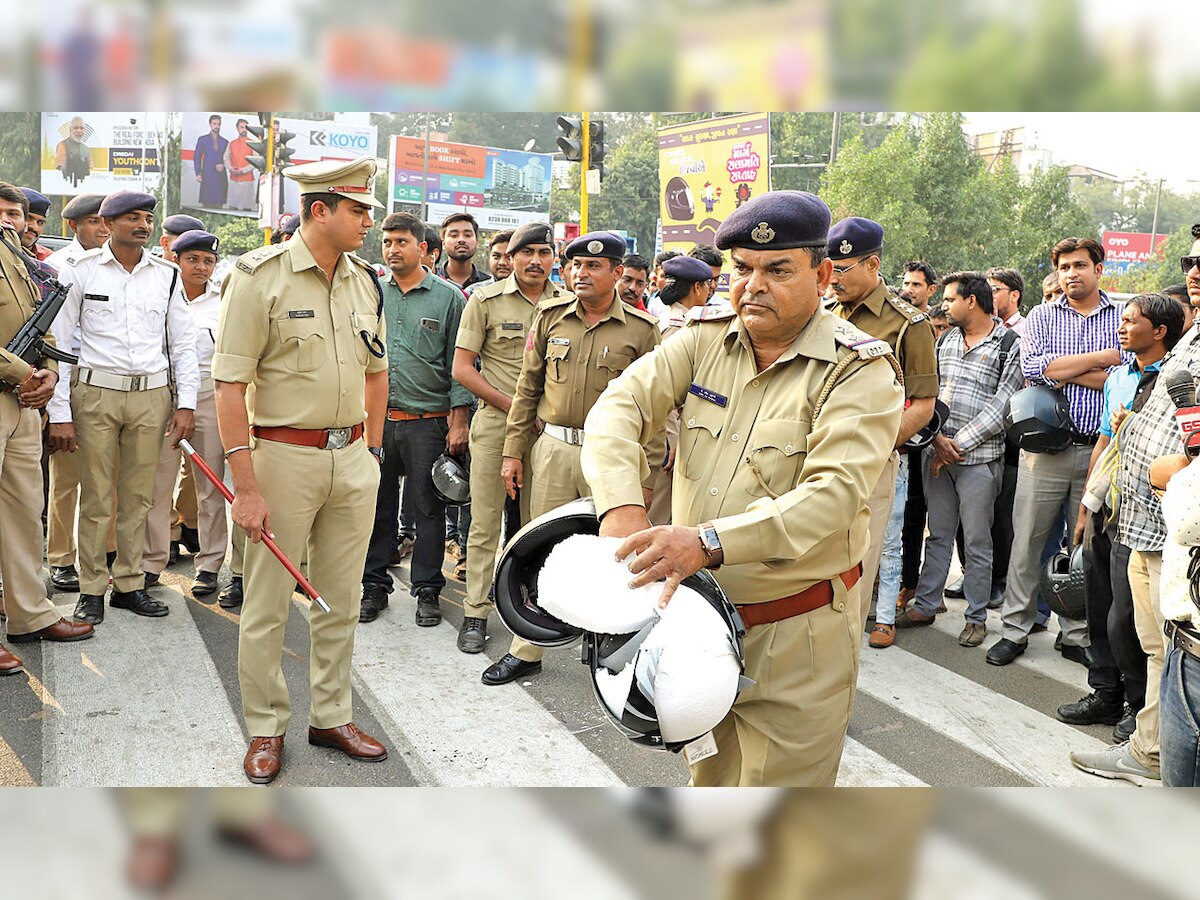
x=1187 y=263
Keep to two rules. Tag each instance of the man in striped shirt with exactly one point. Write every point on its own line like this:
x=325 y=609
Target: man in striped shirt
x=1070 y=343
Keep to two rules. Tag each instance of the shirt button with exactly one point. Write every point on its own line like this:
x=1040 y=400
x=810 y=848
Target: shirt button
x=713 y=491
x=754 y=383
x=735 y=438
x=787 y=449
x=692 y=422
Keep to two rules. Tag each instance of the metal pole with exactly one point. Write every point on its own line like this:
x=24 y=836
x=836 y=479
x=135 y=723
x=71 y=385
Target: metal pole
x=269 y=174
x=1154 y=227
x=583 y=173
x=837 y=133
x=425 y=175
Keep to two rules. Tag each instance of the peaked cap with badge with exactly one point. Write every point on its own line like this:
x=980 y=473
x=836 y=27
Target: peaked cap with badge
x=855 y=236
x=119 y=203
x=181 y=224
x=82 y=206
x=603 y=244
x=778 y=220
x=195 y=240
x=530 y=233
x=353 y=178
x=39 y=203
x=687 y=268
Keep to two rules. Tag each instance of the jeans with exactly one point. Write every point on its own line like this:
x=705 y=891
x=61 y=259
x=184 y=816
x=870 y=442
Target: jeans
x=890 y=562
x=1178 y=730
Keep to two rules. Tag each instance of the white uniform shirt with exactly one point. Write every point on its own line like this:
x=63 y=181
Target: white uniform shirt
x=1182 y=516
x=206 y=310
x=123 y=318
x=57 y=260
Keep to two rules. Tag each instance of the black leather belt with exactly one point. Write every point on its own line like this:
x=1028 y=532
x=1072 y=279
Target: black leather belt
x=1083 y=440
x=1182 y=636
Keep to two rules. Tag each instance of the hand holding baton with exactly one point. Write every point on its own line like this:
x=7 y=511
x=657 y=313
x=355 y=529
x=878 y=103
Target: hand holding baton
x=304 y=583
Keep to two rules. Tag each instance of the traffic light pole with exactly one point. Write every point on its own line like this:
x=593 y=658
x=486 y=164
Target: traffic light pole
x=269 y=140
x=586 y=137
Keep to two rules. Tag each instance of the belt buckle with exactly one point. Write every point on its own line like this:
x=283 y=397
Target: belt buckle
x=337 y=438
x=136 y=382
x=575 y=436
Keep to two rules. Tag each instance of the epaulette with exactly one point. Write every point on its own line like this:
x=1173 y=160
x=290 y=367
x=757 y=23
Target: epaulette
x=906 y=309
x=77 y=258
x=642 y=314
x=671 y=322
x=250 y=261
x=866 y=346
x=362 y=262
x=551 y=302
x=717 y=313
x=494 y=289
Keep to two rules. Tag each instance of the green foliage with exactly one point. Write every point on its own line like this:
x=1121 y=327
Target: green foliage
x=628 y=197
x=236 y=233
x=1158 y=273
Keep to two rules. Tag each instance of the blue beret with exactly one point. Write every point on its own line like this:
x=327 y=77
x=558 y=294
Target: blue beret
x=289 y=225
x=776 y=220
x=180 y=224
x=83 y=206
x=195 y=240
x=604 y=244
x=38 y=202
x=530 y=233
x=855 y=236
x=687 y=268
x=121 y=202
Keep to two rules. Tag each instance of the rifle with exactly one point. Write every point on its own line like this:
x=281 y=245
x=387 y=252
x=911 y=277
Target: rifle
x=30 y=342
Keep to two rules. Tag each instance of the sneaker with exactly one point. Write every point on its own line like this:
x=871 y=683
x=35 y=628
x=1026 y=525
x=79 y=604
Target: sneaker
x=1115 y=762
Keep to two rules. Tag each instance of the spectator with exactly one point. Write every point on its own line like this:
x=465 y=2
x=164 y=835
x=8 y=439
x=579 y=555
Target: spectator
x=433 y=249
x=712 y=258
x=919 y=283
x=1008 y=287
x=460 y=239
x=1051 y=290
x=499 y=260
x=937 y=318
x=654 y=305
x=1179 y=293
x=632 y=283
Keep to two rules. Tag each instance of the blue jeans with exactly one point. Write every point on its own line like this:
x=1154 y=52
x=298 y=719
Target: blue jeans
x=891 y=562
x=1178 y=728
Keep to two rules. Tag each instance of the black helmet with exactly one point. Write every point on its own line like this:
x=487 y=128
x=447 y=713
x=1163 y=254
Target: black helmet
x=521 y=561
x=452 y=480
x=924 y=437
x=1062 y=584
x=632 y=709
x=1039 y=420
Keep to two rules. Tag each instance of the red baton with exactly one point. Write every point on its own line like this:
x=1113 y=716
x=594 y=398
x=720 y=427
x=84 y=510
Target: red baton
x=266 y=538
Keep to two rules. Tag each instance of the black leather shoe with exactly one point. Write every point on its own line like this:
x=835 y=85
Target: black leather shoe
x=190 y=538
x=138 y=602
x=231 y=597
x=472 y=634
x=955 y=589
x=509 y=668
x=1091 y=710
x=64 y=578
x=1126 y=727
x=1081 y=655
x=204 y=584
x=374 y=601
x=90 y=609
x=152 y=579
x=1004 y=651
x=428 y=611
x=1058 y=642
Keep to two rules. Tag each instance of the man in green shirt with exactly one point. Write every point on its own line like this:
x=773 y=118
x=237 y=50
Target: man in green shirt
x=427 y=416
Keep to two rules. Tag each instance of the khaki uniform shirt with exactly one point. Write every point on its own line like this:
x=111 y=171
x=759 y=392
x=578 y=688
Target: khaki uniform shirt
x=294 y=335
x=787 y=496
x=495 y=325
x=884 y=316
x=18 y=296
x=670 y=322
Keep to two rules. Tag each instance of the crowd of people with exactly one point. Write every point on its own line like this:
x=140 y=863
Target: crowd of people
x=267 y=370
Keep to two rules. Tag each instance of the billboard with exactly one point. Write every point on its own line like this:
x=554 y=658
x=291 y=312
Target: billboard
x=706 y=170
x=100 y=152
x=215 y=175
x=500 y=188
x=1124 y=249
x=316 y=140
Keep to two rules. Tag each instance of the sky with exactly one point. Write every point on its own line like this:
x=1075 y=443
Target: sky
x=1156 y=145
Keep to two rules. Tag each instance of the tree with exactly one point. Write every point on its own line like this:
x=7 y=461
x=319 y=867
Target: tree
x=628 y=199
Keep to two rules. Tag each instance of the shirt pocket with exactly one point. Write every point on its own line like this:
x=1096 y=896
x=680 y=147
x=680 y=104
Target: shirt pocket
x=557 y=364
x=613 y=364
x=303 y=343
x=509 y=343
x=364 y=324
x=700 y=428
x=431 y=342
x=776 y=454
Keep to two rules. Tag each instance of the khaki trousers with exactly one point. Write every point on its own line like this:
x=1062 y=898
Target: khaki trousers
x=64 y=503
x=187 y=503
x=120 y=436
x=1145 y=571
x=553 y=477
x=879 y=504
x=214 y=532
x=25 y=600
x=788 y=729
x=158 y=812
x=322 y=500
x=487 y=507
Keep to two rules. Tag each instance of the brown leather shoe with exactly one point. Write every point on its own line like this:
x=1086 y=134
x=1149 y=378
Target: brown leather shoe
x=153 y=862
x=910 y=618
x=972 y=635
x=351 y=740
x=263 y=759
x=882 y=636
x=905 y=595
x=62 y=630
x=10 y=663
x=272 y=839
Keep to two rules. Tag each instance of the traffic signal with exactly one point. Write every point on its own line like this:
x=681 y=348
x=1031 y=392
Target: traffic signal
x=596 y=149
x=284 y=153
x=281 y=154
x=259 y=144
x=570 y=140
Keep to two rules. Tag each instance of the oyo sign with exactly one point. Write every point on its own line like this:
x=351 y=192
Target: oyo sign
x=1130 y=247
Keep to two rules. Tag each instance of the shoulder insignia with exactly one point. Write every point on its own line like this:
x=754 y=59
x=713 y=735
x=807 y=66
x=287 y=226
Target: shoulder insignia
x=250 y=261
x=718 y=313
x=671 y=322
x=556 y=301
x=906 y=309
x=644 y=316
x=852 y=338
x=75 y=258
x=487 y=291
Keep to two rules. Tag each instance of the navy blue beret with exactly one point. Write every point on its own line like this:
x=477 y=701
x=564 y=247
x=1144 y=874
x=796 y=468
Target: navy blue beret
x=530 y=233
x=776 y=220
x=179 y=224
x=83 y=206
x=855 y=236
x=604 y=244
x=687 y=268
x=39 y=203
x=121 y=202
x=289 y=225
x=195 y=240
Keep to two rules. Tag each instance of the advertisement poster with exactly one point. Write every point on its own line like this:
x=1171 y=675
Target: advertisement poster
x=215 y=175
x=707 y=169
x=100 y=152
x=1124 y=249
x=315 y=140
x=501 y=188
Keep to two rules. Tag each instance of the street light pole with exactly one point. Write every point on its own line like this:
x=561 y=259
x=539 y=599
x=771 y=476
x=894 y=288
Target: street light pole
x=1154 y=227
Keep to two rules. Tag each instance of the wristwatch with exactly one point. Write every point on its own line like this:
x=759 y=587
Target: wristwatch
x=376 y=452
x=710 y=544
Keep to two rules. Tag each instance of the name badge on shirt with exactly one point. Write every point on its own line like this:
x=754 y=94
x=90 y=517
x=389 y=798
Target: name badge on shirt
x=431 y=325
x=562 y=342
x=711 y=396
x=301 y=313
x=103 y=298
x=511 y=326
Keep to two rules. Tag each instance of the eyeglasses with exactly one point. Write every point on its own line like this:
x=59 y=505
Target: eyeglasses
x=842 y=270
x=1187 y=263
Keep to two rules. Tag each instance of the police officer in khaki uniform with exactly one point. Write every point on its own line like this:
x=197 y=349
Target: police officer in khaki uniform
x=300 y=322
x=577 y=345
x=863 y=299
x=788 y=417
x=493 y=331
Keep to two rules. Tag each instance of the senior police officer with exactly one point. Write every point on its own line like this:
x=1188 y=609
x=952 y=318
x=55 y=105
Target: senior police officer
x=789 y=415
x=300 y=322
x=576 y=347
x=493 y=331
x=863 y=299
x=137 y=375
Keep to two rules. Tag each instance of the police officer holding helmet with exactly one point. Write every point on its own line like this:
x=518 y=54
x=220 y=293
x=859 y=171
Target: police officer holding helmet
x=788 y=416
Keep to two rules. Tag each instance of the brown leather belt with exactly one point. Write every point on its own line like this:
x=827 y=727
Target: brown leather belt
x=812 y=597
x=399 y=415
x=1182 y=636
x=321 y=438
